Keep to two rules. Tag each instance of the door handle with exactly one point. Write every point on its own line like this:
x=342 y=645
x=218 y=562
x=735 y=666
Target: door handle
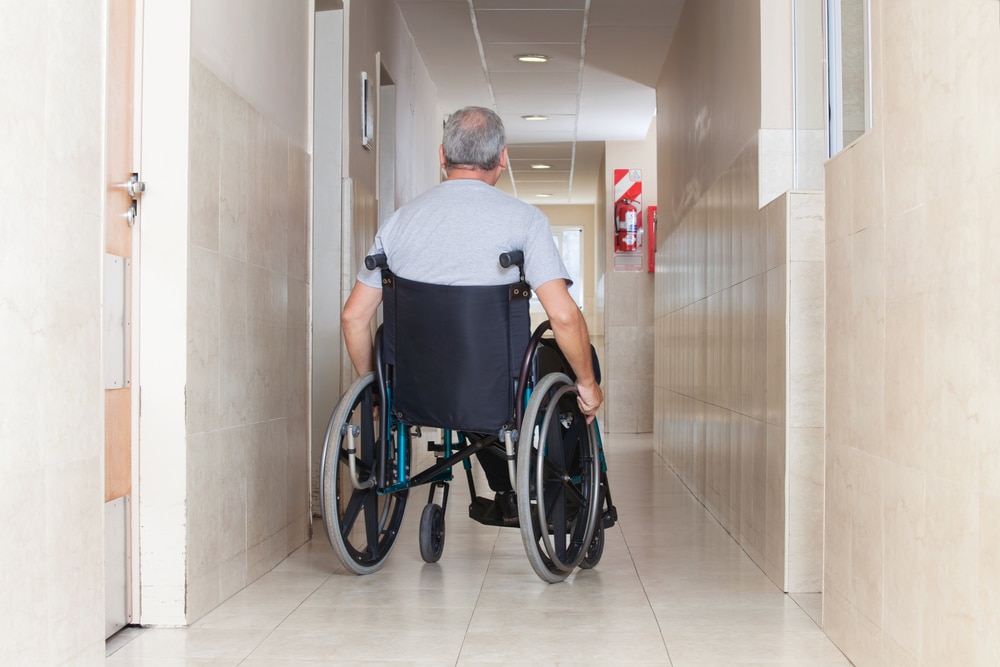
x=135 y=187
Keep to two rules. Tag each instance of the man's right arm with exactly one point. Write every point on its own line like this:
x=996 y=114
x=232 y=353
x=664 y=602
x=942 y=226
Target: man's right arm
x=570 y=331
x=355 y=322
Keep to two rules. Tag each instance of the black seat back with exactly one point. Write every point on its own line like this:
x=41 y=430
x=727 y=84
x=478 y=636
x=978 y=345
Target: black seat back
x=455 y=352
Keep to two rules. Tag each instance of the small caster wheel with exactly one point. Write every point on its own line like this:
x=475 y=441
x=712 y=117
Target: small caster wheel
x=595 y=550
x=431 y=533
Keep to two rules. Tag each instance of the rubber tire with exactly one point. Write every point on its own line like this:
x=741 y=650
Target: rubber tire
x=595 y=551
x=539 y=546
x=432 y=533
x=361 y=525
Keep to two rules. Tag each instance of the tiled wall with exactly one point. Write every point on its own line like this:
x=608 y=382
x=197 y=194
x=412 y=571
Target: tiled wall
x=739 y=373
x=51 y=392
x=248 y=342
x=627 y=343
x=913 y=431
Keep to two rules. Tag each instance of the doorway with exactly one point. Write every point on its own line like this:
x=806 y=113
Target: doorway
x=120 y=373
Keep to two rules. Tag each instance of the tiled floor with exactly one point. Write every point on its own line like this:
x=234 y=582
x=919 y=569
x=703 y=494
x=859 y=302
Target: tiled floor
x=672 y=589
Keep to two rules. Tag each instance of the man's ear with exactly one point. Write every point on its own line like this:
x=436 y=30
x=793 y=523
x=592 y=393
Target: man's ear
x=503 y=158
x=441 y=155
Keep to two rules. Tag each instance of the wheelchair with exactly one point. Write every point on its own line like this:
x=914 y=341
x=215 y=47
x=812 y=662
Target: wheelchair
x=462 y=359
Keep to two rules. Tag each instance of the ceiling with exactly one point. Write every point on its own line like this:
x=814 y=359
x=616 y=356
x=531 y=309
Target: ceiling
x=598 y=85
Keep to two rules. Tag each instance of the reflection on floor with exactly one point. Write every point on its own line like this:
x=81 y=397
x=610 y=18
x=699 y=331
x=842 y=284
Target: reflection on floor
x=673 y=588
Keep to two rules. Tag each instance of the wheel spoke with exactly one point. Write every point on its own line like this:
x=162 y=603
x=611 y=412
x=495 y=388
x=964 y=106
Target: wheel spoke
x=351 y=512
x=555 y=453
x=372 y=523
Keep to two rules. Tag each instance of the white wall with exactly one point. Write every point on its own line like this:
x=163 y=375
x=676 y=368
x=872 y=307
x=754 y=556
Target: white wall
x=326 y=251
x=163 y=261
x=52 y=63
x=259 y=49
x=376 y=32
x=225 y=284
x=628 y=320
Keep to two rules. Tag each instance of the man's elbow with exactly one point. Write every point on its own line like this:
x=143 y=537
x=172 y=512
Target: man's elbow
x=352 y=322
x=566 y=319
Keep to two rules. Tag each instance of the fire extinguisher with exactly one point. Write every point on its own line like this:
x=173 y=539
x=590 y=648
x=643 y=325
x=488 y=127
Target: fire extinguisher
x=626 y=226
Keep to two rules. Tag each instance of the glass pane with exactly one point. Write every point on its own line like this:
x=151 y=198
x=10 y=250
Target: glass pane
x=569 y=241
x=853 y=68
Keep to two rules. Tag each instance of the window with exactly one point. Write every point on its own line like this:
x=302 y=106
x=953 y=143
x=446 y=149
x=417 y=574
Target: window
x=848 y=71
x=569 y=240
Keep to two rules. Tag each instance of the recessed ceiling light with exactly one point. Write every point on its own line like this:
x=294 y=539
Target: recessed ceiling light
x=535 y=116
x=532 y=58
x=543 y=194
x=541 y=166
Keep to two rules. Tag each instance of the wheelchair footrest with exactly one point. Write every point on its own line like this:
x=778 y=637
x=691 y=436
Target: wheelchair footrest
x=487 y=512
x=610 y=517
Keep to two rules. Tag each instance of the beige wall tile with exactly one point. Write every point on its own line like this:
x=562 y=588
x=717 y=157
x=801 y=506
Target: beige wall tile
x=806 y=349
x=988 y=589
x=804 y=510
x=51 y=463
x=235 y=187
x=776 y=214
x=951 y=590
x=205 y=171
x=867 y=369
x=777 y=369
x=243 y=304
x=203 y=326
x=905 y=507
x=727 y=349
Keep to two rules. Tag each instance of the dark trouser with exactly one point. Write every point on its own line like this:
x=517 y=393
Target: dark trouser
x=495 y=466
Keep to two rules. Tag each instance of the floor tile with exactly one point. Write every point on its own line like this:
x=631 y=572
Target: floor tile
x=672 y=588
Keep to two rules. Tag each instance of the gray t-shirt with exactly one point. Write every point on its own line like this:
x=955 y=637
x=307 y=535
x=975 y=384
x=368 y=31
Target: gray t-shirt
x=453 y=234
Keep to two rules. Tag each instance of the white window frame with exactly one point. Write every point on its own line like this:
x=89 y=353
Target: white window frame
x=834 y=87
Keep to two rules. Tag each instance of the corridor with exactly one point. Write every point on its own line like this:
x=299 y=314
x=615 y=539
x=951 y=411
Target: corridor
x=673 y=588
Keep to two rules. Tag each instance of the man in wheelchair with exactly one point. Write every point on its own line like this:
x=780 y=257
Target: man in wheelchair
x=451 y=236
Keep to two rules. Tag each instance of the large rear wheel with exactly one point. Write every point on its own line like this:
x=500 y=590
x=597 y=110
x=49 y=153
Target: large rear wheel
x=361 y=524
x=558 y=479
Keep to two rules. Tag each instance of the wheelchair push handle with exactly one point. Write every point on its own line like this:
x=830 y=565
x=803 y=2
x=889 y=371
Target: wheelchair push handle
x=376 y=261
x=515 y=257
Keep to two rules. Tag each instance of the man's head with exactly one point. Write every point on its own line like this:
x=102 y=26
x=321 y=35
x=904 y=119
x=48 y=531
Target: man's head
x=474 y=139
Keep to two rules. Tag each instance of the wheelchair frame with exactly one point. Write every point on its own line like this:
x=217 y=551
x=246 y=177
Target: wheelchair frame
x=557 y=468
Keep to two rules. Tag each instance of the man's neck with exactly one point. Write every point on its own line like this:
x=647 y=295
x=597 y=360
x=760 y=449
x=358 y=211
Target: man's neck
x=461 y=174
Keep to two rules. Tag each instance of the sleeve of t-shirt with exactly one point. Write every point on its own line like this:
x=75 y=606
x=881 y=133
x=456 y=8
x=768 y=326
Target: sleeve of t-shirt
x=371 y=277
x=542 y=261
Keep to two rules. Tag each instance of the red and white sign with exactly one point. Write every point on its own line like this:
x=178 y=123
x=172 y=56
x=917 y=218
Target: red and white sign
x=628 y=211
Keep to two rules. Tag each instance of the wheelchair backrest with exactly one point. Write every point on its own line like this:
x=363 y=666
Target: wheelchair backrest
x=454 y=352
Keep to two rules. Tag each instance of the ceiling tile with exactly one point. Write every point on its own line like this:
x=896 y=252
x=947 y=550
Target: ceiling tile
x=554 y=151
x=545 y=104
x=634 y=13
x=529 y=4
x=540 y=82
x=500 y=57
x=535 y=25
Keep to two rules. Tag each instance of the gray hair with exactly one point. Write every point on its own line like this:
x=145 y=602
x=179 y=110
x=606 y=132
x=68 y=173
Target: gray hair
x=473 y=137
